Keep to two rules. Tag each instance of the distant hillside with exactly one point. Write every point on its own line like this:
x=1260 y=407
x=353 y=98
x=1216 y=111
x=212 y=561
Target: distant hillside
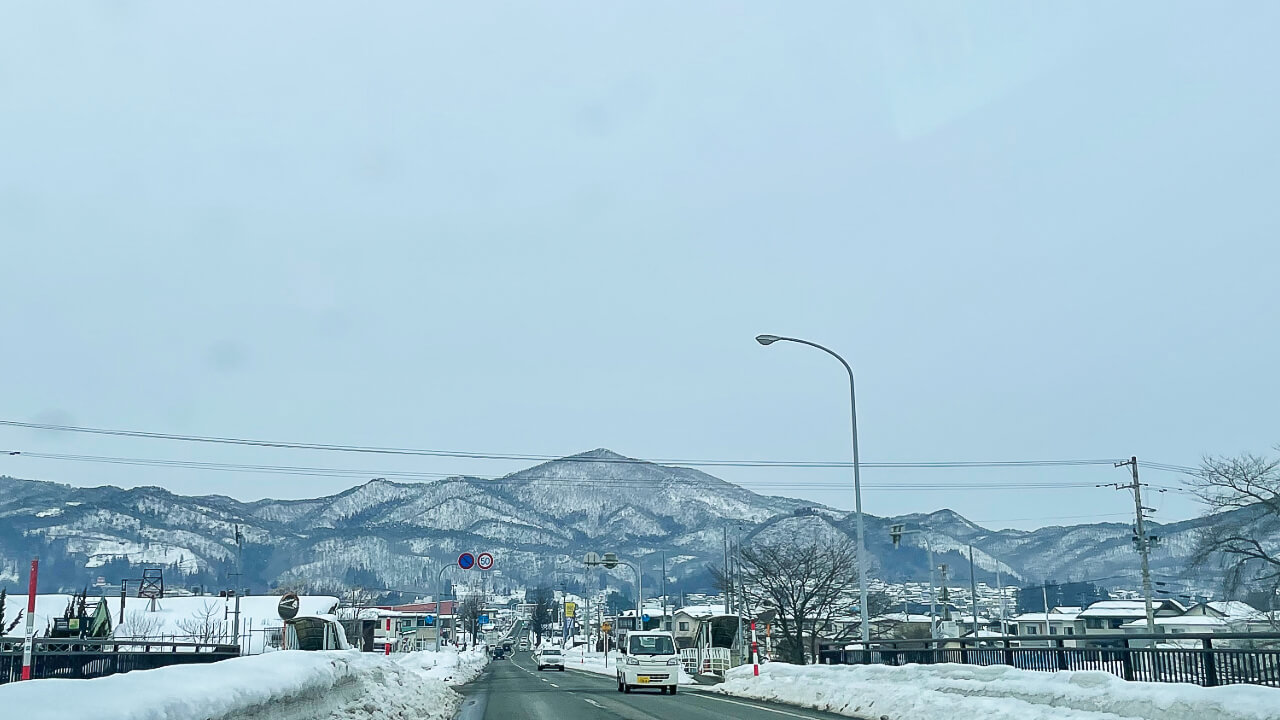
x=398 y=535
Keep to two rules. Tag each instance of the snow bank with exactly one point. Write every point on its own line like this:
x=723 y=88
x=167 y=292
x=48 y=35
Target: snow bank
x=288 y=685
x=994 y=693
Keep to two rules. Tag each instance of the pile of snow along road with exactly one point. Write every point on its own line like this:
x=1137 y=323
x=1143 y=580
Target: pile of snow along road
x=996 y=692
x=288 y=685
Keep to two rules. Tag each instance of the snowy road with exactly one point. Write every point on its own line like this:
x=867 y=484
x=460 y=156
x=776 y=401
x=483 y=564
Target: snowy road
x=516 y=690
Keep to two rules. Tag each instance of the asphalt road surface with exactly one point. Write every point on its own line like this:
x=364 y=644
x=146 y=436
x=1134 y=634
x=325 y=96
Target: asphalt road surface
x=515 y=690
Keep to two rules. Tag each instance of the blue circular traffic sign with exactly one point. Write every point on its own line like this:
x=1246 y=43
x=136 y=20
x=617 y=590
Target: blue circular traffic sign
x=466 y=560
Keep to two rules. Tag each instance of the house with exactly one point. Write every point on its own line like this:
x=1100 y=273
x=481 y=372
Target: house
x=686 y=622
x=1239 y=616
x=901 y=626
x=1106 y=617
x=1178 y=625
x=1061 y=620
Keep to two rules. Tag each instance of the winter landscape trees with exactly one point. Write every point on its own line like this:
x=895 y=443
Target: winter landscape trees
x=1244 y=493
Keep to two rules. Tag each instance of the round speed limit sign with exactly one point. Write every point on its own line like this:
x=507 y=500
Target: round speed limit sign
x=484 y=561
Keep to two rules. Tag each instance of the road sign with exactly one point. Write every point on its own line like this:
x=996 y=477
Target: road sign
x=645 y=617
x=288 y=607
x=431 y=620
x=482 y=619
x=606 y=627
x=466 y=561
x=570 y=609
x=484 y=561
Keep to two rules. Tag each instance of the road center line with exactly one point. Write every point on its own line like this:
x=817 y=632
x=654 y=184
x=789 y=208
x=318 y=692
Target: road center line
x=755 y=707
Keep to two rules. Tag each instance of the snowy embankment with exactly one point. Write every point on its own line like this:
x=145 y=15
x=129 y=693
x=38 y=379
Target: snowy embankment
x=994 y=693
x=289 y=685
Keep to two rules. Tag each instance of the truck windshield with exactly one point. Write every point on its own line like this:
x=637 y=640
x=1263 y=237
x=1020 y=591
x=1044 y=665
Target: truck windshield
x=651 y=645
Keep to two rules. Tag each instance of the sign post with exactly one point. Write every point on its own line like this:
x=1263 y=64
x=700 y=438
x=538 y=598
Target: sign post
x=31 y=620
x=755 y=651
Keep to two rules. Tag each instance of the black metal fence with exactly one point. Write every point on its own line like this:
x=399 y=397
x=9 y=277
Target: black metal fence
x=1237 y=658
x=82 y=659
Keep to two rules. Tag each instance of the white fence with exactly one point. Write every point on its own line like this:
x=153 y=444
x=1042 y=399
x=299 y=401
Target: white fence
x=714 y=661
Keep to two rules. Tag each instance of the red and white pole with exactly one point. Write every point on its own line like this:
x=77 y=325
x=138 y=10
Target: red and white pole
x=31 y=620
x=755 y=651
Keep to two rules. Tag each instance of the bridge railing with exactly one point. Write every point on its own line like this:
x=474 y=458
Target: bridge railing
x=91 y=658
x=1207 y=659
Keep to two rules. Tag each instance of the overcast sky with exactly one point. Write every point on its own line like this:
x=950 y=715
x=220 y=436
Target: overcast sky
x=544 y=228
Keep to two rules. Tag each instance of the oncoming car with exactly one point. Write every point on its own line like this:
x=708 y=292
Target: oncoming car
x=650 y=659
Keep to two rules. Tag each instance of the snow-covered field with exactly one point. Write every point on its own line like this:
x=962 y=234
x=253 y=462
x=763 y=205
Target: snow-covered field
x=289 y=685
x=997 y=692
x=166 y=623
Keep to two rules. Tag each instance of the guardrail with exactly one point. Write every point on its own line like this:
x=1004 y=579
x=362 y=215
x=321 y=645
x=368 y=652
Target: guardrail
x=1238 y=658
x=85 y=658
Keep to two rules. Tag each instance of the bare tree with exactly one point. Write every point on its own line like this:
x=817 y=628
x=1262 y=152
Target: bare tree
x=805 y=583
x=469 y=611
x=207 y=623
x=140 y=625
x=1244 y=492
x=544 y=604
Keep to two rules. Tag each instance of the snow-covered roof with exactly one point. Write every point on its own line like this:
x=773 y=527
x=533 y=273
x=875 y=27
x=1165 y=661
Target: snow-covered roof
x=1040 y=617
x=1236 y=610
x=901 y=618
x=702 y=611
x=1118 y=608
x=1181 y=620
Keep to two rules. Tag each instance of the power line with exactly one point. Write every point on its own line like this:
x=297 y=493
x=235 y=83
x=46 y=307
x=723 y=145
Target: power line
x=540 y=458
x=532 y=475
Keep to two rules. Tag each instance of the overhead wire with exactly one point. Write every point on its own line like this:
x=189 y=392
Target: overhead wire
x=367 y=449
x=532 y=475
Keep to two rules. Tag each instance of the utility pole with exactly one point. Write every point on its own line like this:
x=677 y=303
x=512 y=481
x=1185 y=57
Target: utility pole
x=1140 y=538
x=973 y=595
x=665 y=619
x=1000 y=590
x=728 y=591
x=945 y=595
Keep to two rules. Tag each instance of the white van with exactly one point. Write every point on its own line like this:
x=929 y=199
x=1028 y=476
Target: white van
x=650 y=659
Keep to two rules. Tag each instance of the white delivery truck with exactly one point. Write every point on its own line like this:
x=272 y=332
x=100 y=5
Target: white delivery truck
x=650 y=659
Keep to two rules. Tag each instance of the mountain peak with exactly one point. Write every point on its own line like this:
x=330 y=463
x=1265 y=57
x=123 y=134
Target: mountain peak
x=598 y=454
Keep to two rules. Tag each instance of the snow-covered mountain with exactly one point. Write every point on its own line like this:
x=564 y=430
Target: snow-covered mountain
x=536 y=522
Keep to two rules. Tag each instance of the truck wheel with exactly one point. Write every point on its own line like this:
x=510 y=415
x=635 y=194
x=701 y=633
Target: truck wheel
x=619 y=683
x=626 y=688
x=673 y=689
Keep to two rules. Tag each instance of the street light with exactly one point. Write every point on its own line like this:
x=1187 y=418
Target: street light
x=610 y=561
x=857 y=478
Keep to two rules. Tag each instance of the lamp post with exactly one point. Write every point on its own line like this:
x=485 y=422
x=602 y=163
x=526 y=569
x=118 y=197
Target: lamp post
x=610 y=561
x=857 y=478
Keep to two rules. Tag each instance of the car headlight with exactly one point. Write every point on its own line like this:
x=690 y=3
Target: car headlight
x=632 y=661
x=673 y=661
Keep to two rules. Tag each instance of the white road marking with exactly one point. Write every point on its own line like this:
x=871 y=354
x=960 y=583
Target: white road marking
x=756 y=707
x=554 y=685
x=593 y=702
